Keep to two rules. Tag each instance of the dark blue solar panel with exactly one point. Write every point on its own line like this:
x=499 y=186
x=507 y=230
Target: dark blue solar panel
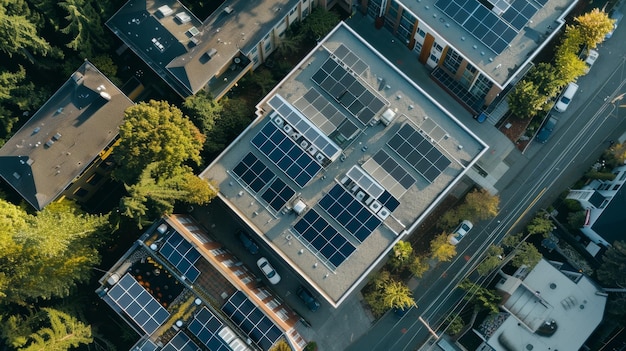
x=323 y=238
x=205 y=326
x=277 y=194
x=253 y=172
x=357 y=219
x=285 y=154
x=180 y=342
x=252 y=321
x=180 y=253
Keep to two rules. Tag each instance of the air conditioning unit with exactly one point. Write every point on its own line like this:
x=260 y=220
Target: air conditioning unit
x=383 y=213
x=375 y=206
x=311 y=150
x=320 y=158
x=304 y=144
x=287 y=128
x=360 y=196
x=278 y=121
x=295 y=136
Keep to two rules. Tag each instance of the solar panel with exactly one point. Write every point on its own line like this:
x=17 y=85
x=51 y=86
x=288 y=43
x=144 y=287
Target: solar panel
x=350 y=212
x=205 y=326
x=138 y=304
x=253 y=172
x=283 y=151
x=179 y=252
x=300 y=128
x=335 y=80
x=351 y=60
x=419 y=152
x=389 y=172
x=495 y=28
x=180 y=342
x=365 y=182
x=251 y=320
x=278 y=194
x=320 y=111
x=323 y=239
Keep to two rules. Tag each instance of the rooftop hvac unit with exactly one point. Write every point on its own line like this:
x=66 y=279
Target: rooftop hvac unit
x=375 y=206
x=299 y=207
x=304 y=144
x=162 y=228
x=278 y=121
x=183 y=17
x=165 y=11
x=320 y=158
x=287 y=128
x=77 y=77
x=295 y=136
x=211 y=52
x=360 y=196
x=228 y=9
x=383 y=213
x=311 y=150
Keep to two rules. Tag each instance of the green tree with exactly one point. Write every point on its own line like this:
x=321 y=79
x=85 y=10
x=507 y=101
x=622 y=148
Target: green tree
x=569 y=66
x=492 y=260
x=237 y=115
x=418 y=266
x=105 y=64
x=46 y=255
x=319 y=23
x=281 y=345
x=480 y=205
x=593 y=27
x=397 y=295
x=203 y=110
x=526 y=254
x=525 y=100
x=155 y=132
x=263 y=79
x=540 y=225
x=83 y=26
x=18 y=33
x=61 y=333
x=401 y=255
x=482 y=297
x=612 y=272
x=545 y=77
x=441 y=249
x=454 y=324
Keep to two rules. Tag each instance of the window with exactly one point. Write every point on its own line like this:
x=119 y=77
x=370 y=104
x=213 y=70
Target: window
x=481 y=87
x=421 y=33
x=373 y=8
x=438 y=47
x=434 y=58
x=268 y=46
x=418 y=47
x=452 y=61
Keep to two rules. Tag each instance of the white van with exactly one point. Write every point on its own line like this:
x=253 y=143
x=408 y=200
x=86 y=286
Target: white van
x=563 y=102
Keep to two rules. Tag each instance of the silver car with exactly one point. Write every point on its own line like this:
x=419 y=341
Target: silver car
x=460 y=232
x=268 y=270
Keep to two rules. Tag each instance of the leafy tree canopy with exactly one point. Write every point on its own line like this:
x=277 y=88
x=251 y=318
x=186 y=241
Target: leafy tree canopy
x=59 y=332
x=203 y=110
x=540 y=225
x=319 y=23
x=526 y=254
x=18 y=33
x=482 y=297
x=593 y=27
x=441 y=249
x=613 y=269
x=155 y=132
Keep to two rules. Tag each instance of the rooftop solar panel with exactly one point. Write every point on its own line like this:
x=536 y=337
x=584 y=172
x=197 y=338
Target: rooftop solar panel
x=323 y=239
x=206 y=326
x=350 y=212
x=392 y=169
x=253 y=172
x=495 y=31
x=335 y=80
x=278 y=194
x=283 y=151
x=138 y=304
x=251 y=320
x=419 y=152
x=323 y=114
x=180 y=253
x=351 y=60
x=180 y=342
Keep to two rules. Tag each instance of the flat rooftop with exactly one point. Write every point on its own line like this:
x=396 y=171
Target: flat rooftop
x=522 y=29
x=187 y=52
x=323 y=181
x=64 y=136
x=548 y=294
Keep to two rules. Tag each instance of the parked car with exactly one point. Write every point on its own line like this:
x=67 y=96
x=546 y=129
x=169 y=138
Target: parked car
x=268 y=270
x=308 y=299
x=401 y=311
x=617 y=17
x=546 y=130
x=592 y=56
x=248 y=243
x=480 y=118
x=565 y=98
x=460 y=232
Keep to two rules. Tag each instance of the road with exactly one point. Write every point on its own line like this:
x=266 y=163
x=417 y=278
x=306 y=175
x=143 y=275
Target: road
x=546 y=170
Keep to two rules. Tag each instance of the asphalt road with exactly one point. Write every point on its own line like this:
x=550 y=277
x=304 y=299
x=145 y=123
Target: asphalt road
x=596 y=115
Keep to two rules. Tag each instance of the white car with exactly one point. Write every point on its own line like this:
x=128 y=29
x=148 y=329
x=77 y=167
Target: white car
x=591 y=59
x=460 y=232
x=268 y=270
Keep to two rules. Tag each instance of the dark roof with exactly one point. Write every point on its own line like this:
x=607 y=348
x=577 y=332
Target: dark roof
x=596 y=199
x=183 y=61
x=63 y=137
x=611 y=223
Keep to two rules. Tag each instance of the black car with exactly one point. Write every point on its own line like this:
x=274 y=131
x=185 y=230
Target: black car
x=247 y=242
x=546 y=130
x=308 y=299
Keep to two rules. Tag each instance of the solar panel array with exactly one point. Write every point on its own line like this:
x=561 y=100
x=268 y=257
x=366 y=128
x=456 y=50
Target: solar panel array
x=138 y=304
x=178 y=251
x=282 y=150
x=351 y=60
x=320 y=111
x=496 y=32
x=335 y=80
x=323 y=238
x=377 y=198
x=300 y=128
x=419 y=152
x=251 y=320
x=205 y=326
x=351 y=213
x=277 y=194
x=180 y=342
x=253 y=172
x=394 y=169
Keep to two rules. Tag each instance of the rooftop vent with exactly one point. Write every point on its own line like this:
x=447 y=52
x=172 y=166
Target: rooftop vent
x=77 y=77
x=192 y=32
x=162 y=228
x=164 y=11
x=211 y=52
x=183 y=17
x=105 y=95
x=56 y=137
x=228 y=9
